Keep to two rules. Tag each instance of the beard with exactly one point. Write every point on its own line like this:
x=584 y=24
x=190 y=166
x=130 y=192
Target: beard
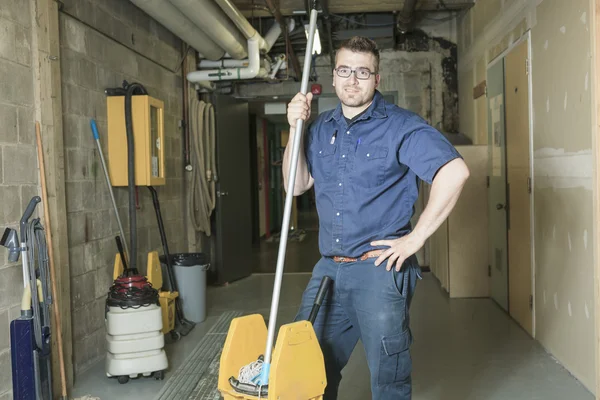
x=354 y=97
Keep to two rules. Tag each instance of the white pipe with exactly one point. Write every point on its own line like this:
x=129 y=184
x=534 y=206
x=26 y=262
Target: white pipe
x=277 y=66
x=272 y=34
x=169 y=16
x=206 y=14
x=253 y=70
x=223 y=63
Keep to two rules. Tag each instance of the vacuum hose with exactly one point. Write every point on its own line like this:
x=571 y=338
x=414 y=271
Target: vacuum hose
x=201 y=196
x=131 y=89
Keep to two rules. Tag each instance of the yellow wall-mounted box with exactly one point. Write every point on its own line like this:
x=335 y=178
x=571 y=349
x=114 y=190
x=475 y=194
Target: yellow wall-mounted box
x=147 y=115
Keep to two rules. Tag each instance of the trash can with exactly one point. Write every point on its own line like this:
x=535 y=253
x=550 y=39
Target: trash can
x=190 y=276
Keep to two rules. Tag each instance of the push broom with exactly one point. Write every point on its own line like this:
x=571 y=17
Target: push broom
x=254 y=377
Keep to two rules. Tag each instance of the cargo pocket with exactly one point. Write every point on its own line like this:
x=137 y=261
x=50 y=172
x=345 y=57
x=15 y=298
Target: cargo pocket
x=395 y=363
x=325 y=157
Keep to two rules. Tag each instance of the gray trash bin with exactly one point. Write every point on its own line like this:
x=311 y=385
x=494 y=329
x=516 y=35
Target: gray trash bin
x=190 y=275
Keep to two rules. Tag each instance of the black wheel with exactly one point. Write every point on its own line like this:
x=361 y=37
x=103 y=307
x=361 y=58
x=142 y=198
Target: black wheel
x=175 y=335
x=123 y=379
x=159 y=375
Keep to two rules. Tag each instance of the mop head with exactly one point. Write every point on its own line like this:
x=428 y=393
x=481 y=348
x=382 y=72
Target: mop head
x=252 y=379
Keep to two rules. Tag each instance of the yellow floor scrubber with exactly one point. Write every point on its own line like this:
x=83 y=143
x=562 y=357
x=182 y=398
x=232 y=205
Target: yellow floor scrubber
x=296 y=368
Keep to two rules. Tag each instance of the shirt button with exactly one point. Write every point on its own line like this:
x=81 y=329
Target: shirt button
x=320 y=151
x=348 y=132
x=368 y=155
x=340 y=184
x=343 y=156
x=337 y=240
x=338 y=214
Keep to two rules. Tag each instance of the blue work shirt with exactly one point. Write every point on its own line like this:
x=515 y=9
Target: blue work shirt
x=366 y=174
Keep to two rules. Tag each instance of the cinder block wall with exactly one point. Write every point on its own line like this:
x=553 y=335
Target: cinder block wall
x=103 y=43
x=18 y=160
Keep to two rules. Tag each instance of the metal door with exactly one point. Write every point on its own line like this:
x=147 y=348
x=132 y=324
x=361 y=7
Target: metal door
x=497 y=201
x=233 y=211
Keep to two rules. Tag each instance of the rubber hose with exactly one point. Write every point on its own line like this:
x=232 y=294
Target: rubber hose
x=131 y=89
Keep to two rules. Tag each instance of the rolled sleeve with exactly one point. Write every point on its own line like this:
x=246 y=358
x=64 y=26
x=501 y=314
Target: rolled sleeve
x=424 y=149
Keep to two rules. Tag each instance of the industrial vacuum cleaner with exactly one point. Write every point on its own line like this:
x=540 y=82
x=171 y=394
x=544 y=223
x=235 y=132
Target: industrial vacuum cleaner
x=295 y=369
x=30 y=338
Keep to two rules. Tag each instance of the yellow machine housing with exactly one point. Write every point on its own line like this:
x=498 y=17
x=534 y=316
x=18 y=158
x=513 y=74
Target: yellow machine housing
x=148 y=131
x=297 y=366
x=154 y=276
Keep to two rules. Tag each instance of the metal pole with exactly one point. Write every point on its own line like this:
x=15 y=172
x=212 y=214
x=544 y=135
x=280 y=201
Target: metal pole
x=288 y=201
x=110 y=189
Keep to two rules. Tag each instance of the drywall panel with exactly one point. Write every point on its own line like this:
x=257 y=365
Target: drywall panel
x=467 y=230
x=466 y=107
x=563 y=186
x=562 y=160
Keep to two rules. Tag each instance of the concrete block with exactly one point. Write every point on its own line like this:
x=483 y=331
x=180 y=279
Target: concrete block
x=27 y=193
x=104 y=279
x=88 y=350
x=99 y=224
x=96 y=46
x=82 y=290
x=86 y=11
x=20 y=163
x=76 y=263
x=17 y=11
x=106 y=78
x=77 y=228
x=88 y=318
x=10 y=198
x=74 y=33
x=23 y=45
x=26 y=125
x=87 y=74
x=99 y=253
x=413 y=84
x=4 y=329
x=79 y=163
x=19 y=90
x=80 y=196
x=97 y=105
x=69 y=66
x=71 y=130
x=6 y=376
x=8 y=32
x=8 y=128
x=101 y=194
x=11 y=286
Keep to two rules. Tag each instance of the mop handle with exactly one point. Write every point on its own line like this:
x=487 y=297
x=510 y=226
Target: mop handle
x=112 y=196
x=290 y=190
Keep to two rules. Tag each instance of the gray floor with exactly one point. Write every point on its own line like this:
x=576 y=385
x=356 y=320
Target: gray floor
x=463 y=349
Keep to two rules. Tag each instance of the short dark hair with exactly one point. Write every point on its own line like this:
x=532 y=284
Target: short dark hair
x=361 y=44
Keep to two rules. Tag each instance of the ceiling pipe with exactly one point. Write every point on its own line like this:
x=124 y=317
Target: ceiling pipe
x=170 y=17
x=405 y=16
x=206 y=14
x=253 y=70
x=241 y=22
x=293 y=58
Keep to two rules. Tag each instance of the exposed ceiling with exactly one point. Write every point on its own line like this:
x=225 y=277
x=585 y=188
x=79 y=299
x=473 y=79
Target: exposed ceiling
x=258 y=8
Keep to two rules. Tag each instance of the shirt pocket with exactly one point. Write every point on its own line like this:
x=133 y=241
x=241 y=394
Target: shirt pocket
x=369 y=165
x=324 y=162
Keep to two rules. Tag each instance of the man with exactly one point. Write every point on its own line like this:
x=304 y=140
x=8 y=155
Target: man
x=365 y=160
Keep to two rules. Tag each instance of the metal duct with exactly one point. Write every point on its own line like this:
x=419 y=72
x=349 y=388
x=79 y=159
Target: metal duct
x=207 y=15
x=169 y=16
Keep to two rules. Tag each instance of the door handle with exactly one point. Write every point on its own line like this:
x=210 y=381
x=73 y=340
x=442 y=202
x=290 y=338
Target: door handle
x=500 y=206
x=219 y=193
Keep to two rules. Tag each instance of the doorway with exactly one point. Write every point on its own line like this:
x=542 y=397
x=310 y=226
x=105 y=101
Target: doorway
x=510 y=182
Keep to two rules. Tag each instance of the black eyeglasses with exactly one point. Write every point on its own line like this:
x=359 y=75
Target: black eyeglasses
x=360 y=73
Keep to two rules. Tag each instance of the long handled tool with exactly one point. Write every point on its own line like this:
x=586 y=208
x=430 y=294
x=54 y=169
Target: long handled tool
x=57 y=323
x=264 y=377
x=108 y=183
x=259 y=378
x=184 y=326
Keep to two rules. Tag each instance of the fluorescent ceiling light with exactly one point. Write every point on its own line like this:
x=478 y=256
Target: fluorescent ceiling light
x=317 y=40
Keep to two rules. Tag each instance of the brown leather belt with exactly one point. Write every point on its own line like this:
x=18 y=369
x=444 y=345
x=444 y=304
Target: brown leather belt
x=365 y=256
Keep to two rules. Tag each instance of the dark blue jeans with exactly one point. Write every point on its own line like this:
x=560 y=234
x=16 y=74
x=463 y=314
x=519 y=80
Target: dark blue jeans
x=368 y=303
